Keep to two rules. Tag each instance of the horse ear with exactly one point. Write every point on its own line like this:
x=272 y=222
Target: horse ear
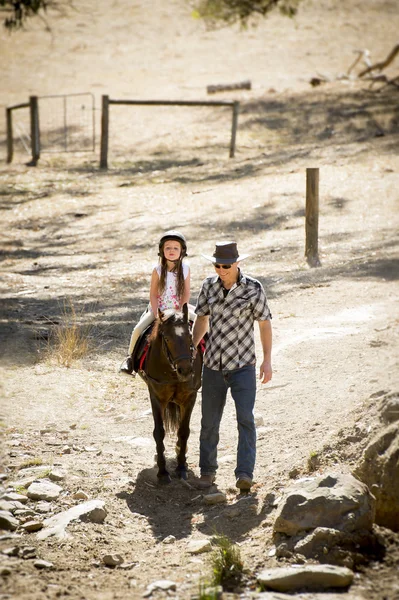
x=160 y=314
x=185 y=312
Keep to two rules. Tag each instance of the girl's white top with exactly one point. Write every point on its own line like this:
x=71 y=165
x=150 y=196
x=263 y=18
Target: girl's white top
x=169 y=297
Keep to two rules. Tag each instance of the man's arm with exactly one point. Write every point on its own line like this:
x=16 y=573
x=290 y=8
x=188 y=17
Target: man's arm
x=200 y=328
x=265 y=329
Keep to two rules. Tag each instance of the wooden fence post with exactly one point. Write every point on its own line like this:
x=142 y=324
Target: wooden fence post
x=10 y=141
x=104 y=133
x=312 y=217
x=34 y=129
x=236 y=108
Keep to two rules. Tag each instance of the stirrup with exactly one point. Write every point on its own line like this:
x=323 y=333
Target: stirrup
x=127 y=366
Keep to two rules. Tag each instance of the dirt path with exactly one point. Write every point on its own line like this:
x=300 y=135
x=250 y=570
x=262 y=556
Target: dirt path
x=73 y=233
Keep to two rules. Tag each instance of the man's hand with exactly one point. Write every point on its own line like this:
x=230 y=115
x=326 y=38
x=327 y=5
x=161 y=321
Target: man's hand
x=265 y=372
x=200 y=328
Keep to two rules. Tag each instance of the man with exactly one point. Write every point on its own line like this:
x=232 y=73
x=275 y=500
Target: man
x=227 y=306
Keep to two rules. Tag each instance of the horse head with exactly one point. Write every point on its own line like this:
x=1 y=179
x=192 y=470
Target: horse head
x=177 y=342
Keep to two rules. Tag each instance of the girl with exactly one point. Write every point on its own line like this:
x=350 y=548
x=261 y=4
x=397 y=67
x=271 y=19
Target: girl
x=169 y=289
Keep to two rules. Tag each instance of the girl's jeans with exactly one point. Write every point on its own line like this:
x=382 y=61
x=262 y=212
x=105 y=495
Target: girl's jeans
x=242 y=384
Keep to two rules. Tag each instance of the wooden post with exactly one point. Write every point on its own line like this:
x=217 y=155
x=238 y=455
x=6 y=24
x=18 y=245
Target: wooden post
x=236 y=108
x=34 y=130
x=10 y=142
x=104 y=133
x=312 y=217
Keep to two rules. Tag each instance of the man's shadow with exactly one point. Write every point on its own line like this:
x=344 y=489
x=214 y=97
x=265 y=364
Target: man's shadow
x=179 y=509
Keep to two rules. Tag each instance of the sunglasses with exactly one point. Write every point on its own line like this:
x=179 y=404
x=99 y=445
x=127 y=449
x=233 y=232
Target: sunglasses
x=221 y=266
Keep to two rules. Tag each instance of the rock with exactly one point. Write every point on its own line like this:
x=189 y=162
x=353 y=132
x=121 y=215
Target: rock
x=7 y=506
x=140 y=442
x=5 y=571
x=96 y=514
x=170 y=539
x=43 y=564
x=66 y=450
x=112 y=560
x=283 y=551
x=56 y=475
x=259 y=421
x=27 y=476
x=52 y=442
x=390 y=409
x=9 y=536
x=36 y=471
x=44 y=490
x=379 y=467
x=334 y=501
x=16 y=507
x=288 y=579
x=199 y=546
x=14 y=497
x=161 y=584
x=233 y=512
x=120 y=418
x=32 y=526
x=55 y=526
x=80 y=495
x=7 y=521
x=27 y=552
x=43 y=507
x=216 y=498
x=127 y=566
x=24 y=512
x=12 y=551
x=25 y=482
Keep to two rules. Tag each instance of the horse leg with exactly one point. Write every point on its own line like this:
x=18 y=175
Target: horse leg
x=183 y=435
x=159 y=435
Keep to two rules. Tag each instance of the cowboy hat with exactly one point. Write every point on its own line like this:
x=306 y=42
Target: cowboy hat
x=226 y=253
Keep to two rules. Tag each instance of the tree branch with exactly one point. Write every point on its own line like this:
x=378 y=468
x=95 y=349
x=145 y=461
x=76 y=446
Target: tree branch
x=383 y=64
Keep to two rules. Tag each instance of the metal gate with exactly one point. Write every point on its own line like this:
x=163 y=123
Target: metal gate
x=67 y=123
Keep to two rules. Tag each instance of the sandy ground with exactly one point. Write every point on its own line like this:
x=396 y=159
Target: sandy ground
x=72 y=233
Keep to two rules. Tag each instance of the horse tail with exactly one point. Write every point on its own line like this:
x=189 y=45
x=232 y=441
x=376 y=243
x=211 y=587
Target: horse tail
x=171 y=417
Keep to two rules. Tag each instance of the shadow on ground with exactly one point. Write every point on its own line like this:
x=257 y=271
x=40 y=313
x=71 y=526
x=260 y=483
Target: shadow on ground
x=178 y=509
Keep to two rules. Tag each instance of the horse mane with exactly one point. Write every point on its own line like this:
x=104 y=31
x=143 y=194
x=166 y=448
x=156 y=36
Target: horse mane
x=155 y=330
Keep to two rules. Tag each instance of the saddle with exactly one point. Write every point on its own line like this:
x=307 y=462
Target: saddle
x=141 y=348
x=136 y=362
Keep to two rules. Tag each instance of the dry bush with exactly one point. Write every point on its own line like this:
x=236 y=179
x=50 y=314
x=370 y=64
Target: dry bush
x=227 y=565
x=71 y=339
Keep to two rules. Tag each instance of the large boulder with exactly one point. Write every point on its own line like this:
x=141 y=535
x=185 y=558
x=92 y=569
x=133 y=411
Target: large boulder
x=334 y=501
x=379 y=469
x=327 y=518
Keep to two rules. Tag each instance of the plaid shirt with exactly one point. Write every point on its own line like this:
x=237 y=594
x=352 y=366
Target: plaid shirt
x=230 y=344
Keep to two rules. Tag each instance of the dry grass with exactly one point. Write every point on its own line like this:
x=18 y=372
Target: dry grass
x=72 y=338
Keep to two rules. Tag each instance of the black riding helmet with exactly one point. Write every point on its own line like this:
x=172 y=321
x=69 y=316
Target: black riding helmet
x=173 y=235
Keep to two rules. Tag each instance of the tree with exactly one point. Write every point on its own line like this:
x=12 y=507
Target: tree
x=18 y=11
x=227 y=12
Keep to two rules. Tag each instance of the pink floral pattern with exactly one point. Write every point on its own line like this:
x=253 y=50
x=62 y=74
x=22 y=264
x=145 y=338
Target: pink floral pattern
x=169 y=298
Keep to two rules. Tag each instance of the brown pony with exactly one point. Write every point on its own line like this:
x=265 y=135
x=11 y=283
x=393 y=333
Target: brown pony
x=173 y=377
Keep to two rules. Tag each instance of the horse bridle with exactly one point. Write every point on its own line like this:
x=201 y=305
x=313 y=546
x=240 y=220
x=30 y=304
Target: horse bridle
x=174 y=361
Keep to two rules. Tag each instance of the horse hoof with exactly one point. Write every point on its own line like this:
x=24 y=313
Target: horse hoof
x=182 y=474
x=164 y=479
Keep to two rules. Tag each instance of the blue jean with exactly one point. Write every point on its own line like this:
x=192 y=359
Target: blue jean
x=242 y=384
